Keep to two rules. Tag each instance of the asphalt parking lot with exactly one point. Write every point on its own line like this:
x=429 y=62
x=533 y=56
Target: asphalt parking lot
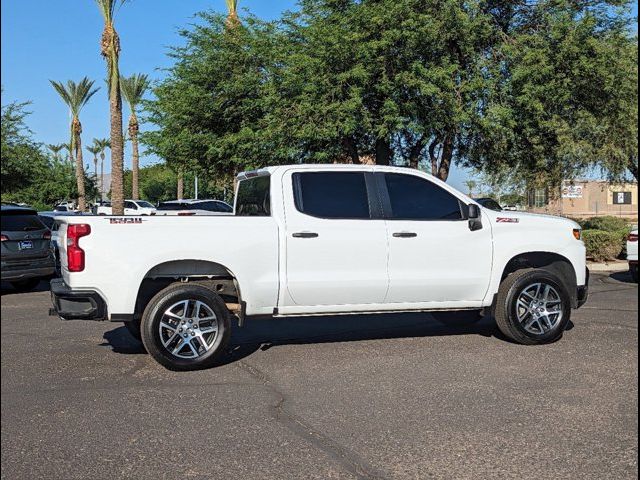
x=395 y=396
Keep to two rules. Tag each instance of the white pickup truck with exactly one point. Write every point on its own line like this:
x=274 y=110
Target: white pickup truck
x=319 y=240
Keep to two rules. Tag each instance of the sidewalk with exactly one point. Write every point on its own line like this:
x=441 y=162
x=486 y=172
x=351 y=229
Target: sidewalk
x=616 y=266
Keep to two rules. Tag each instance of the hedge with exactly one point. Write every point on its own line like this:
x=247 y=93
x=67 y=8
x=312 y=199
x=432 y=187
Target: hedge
x=608 y=224
x=602 y=245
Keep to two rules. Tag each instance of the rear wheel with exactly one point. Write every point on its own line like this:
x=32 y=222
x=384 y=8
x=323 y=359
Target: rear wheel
x=186 y=327
x=26 y=285
x=532 y=307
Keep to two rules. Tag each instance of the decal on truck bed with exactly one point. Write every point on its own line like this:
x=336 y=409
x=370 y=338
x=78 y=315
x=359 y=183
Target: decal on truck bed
x=125 y=220
x=507 y=220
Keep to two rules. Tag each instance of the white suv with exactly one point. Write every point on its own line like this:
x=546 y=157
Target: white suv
x=131 y=207
x=632 y=254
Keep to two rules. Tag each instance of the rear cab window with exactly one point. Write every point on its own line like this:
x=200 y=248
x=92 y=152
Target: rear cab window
x=254 y=197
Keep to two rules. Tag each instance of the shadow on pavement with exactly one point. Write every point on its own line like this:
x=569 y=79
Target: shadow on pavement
x=7 y=288
x=266 y=332
x=624 y=277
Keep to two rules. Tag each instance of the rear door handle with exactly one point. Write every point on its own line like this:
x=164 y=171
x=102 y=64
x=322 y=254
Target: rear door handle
x=405 y=234
x=304 y=235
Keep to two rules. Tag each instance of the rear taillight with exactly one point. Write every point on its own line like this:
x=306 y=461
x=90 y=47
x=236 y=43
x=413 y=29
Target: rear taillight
x=4 y=238
x=633 y=237
x=46 y=235
x=75 y=254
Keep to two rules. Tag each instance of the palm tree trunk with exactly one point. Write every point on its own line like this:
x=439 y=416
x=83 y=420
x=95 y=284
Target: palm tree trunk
x=180 y=185
x=102 y=175
x=117 y=148
x=79 y=172
x=135 y=160
x=95 y=170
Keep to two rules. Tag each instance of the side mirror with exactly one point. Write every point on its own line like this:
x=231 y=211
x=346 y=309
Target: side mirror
x=475 y=223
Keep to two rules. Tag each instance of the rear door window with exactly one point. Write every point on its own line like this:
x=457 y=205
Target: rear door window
x=333 y=195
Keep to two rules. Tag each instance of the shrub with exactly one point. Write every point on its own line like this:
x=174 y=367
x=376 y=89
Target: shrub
x=602 y=245
x=608 y=224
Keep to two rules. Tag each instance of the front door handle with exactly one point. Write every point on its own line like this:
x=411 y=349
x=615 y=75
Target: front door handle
x=405 y=234
x=304 y=235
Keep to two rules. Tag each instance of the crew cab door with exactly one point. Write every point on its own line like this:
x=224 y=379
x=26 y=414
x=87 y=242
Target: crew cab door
x=433 y=254
x=336 y=240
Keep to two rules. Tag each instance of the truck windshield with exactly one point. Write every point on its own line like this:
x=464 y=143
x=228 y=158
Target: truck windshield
x=254 y=198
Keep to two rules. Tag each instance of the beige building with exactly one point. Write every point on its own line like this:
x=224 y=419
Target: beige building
x=587 y=198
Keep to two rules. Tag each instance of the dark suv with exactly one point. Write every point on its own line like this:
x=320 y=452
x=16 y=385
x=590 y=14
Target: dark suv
x=26 y=248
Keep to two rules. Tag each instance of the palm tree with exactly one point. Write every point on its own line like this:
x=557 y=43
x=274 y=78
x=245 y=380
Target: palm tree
x=56 y=149
x=133 y=89
x=76 y=96
x=103 y=144
x=232 y=16
x=110 y=50
x=94 y=150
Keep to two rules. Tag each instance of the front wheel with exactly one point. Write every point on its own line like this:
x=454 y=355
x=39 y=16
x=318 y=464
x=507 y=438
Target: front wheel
x=532 y=307
x=186 y=327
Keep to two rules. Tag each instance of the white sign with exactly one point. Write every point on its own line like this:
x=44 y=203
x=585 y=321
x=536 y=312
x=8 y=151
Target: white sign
x=572 y=191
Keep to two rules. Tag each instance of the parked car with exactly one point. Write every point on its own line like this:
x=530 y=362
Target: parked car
x=632 y=254
x=489 y=203
x=320 y=240
x=65 y=206
x=26 y=252
x=194 y=207
x=131 y=207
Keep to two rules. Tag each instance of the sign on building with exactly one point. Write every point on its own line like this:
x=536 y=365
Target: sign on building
x=572 y=191
x=622 y=198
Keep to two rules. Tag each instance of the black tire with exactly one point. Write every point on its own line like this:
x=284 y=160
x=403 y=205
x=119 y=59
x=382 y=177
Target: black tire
x=134 y=329
x=506 y=305
x=155 y=312
x=26 y=285
x=633 y=270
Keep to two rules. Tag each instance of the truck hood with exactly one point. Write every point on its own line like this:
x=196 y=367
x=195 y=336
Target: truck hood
x=528 y=218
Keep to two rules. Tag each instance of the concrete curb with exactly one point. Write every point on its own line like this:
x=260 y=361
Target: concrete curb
x=608 y=267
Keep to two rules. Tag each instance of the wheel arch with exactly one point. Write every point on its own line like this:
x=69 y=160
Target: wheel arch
x=214 y=275
x=553 y=262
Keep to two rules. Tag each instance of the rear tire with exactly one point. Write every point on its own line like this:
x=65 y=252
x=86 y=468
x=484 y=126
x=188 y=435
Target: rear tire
x=26 y=285
x=525 y=315
x=186 y=327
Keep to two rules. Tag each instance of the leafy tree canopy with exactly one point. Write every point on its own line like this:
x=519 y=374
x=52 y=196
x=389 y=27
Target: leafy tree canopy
x=545 y=89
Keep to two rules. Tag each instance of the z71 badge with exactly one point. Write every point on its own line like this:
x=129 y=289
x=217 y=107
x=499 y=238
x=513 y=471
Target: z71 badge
x=507 y=220
x=125 y=220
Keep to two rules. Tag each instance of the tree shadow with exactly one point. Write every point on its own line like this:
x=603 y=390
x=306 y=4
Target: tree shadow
x=624 y=277
x=264 y=333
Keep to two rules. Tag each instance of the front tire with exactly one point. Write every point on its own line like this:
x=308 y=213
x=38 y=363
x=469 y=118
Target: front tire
x=186 y=327
x=532 y=307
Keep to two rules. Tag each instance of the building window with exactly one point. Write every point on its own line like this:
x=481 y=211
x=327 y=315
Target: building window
x=540 y=198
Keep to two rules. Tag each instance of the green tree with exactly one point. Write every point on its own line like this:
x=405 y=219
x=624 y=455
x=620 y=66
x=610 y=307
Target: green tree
x=21 y=156
x=133 y=89
x=75 y=96
x=94 y=149
x=110 y=50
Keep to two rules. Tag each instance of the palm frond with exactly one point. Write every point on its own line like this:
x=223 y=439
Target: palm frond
x=133 y=89
x=108 y=8
x=93 y=149
x=75 y=95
